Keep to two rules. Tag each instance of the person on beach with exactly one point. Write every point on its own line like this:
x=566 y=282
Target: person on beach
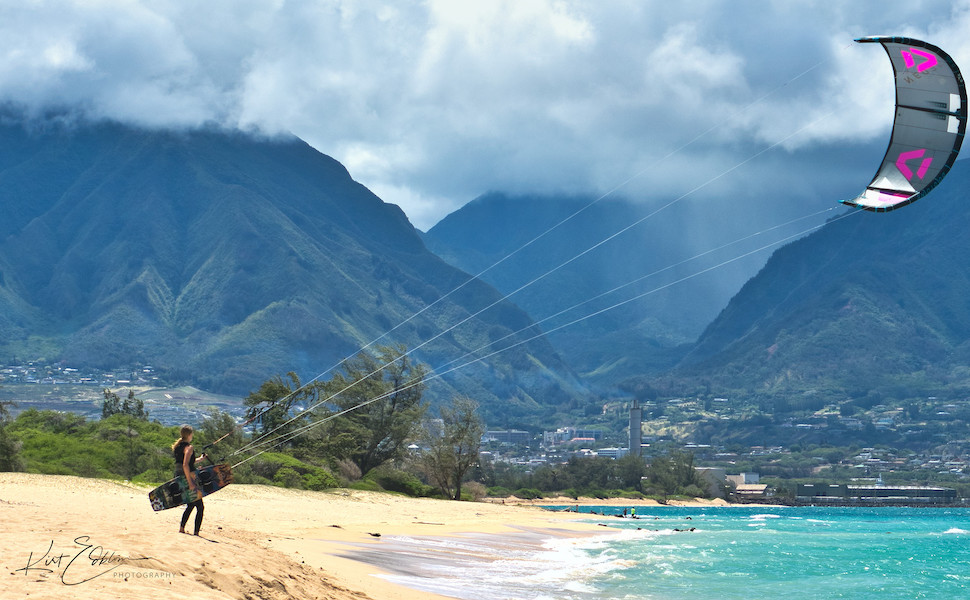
x=185 y=461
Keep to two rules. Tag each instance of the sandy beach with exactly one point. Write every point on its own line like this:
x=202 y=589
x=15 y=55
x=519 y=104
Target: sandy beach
x=88 y=538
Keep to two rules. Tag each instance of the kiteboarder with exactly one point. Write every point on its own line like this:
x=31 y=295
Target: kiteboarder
x=185 y=465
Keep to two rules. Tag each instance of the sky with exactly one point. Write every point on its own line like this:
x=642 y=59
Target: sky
x=430 y=104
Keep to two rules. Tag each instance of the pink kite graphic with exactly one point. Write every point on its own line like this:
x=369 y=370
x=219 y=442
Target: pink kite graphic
x=905 y=157
x=929 y=63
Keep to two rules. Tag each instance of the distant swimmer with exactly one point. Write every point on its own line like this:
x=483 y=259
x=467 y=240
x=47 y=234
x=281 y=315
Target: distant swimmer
x=185 y=461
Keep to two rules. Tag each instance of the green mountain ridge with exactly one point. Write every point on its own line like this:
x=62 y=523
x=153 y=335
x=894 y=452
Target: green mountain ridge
x=872 y=306
x=871 y=303
x=223 y=259
x=541 y=242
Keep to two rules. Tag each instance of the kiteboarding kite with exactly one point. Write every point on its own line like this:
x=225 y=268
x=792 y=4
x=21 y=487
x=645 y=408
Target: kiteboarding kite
x=931 y=120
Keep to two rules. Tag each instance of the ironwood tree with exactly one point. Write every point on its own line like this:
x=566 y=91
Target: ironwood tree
x=451 y=445
x=374 y=407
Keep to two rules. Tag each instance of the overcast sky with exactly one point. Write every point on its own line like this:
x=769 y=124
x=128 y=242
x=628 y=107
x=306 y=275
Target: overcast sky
x=433 y=103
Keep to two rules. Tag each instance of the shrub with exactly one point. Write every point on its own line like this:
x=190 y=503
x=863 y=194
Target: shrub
x=527 y=493
x=475 y=490
x=366 y=485
x=287 y=471
x=694 y=492
x=394 y=480
x=152 y=476
x=348 y=469
x=320 y=479
x=288 y=477
x=632 y=495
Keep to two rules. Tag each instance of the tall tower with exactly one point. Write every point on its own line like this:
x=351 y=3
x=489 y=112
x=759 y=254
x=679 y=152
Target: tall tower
x=636 y=436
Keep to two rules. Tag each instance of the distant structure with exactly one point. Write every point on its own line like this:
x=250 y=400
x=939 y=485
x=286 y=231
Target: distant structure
x=842 y=494
x=636 y=435
x=571 y=434
x=510 y=437
x=713 y=478
x=743 y=479
x=613 y=453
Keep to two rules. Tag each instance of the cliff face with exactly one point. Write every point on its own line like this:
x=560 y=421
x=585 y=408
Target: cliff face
x=222 y=259
x=868 y=301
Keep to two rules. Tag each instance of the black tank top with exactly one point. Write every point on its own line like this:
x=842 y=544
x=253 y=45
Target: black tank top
x=179 y=454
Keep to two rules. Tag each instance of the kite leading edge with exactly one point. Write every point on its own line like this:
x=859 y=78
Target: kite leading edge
x=931 y=120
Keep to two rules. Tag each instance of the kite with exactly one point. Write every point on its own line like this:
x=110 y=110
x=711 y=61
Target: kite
x=931 y=120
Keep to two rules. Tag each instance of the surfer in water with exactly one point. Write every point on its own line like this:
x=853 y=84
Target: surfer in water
x=185 y=465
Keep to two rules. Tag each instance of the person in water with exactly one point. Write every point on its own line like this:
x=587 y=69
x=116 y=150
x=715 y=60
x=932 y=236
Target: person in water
x=185 y=465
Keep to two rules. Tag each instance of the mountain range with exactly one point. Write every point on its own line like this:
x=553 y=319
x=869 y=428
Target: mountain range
x=871 y=305
x=660 y=266
x=222 y=259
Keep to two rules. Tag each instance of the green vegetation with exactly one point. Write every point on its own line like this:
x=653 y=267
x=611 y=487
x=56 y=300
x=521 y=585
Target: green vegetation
x=599 y=477
x=131 y=406
x=370 y=413
x=452 y=447
x=124 y=447
x=376 y=408
x=118 y=447
x=365 y=420
x=9 y=447
x=215 y=282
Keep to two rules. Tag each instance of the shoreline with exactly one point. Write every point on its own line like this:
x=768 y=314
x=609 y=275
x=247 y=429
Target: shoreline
x=92 y=538
x=101 y=537
x=587 y=501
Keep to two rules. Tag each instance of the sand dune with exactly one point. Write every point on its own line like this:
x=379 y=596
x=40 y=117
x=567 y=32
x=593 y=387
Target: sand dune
x=68 y=537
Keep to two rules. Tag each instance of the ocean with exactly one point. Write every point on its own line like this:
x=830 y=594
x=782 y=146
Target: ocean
x=731 y=553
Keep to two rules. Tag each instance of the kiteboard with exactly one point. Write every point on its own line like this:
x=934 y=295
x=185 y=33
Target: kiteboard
x=177 y=492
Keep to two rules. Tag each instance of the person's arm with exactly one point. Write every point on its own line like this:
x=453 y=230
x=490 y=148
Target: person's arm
x=187 y=469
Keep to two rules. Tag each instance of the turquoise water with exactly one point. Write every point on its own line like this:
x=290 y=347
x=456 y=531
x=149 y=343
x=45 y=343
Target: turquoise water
x=733 y=553
x=794 y=553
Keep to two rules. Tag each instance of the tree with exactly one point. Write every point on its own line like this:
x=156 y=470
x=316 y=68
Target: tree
x=452 y=445
x=9 y=447
x=594 y=473
x=134 y=409
x=274 y=400
x=380 y=398
x=4 y=411
x=113 y=405
x=661 y=476
x=217 y=424
x=674 y=474
x=631 y=469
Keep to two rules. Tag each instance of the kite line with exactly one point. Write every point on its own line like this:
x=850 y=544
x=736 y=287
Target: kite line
x=264 y=445
x=555 y=226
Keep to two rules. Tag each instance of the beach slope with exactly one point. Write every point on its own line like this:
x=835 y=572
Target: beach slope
x=91 y=538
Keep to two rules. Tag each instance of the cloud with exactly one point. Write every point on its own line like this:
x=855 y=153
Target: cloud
x=432 y=103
